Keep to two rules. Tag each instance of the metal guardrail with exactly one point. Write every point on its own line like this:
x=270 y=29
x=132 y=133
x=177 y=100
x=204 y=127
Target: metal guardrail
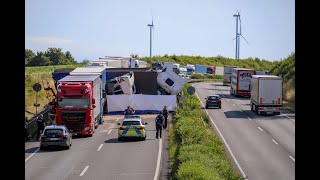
x=34 y=119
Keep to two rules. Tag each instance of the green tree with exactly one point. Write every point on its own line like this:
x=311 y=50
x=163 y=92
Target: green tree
x=39 y=60
x=28 y=55
x=85 y=62
x=70 y=58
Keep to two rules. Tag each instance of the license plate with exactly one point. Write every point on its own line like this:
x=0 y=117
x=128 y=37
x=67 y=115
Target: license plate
x=269 y=112
x=53 y=139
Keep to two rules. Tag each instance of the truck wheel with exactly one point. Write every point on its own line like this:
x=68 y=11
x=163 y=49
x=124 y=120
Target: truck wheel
x=42 y=148
x=251 y=106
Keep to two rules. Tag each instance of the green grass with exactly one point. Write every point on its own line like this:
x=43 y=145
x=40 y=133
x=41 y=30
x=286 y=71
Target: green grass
x=289 y=105
x=195 y=151
x=47 y=69
x=42 y=75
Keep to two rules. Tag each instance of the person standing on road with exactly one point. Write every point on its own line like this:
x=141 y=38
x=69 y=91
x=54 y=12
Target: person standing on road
x=165 y=113
x=40 y=124
x=159 y=124
x=129 y=111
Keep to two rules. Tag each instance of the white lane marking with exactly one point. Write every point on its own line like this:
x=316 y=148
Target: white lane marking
x=275 y=141
x=240 y=110
x=292 y=159
x=99 y=147
x=225 y=142
x=249 y=118
x=109 y=131
x=31 y=155
x=84 y=170
x=68 y=172
x=260 y=129
x=233 y=105
x=156 y=175
x=228 y=100
x=288 y=117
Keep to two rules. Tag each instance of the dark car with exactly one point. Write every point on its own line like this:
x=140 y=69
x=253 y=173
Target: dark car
x=213 y=101
x=56 y=135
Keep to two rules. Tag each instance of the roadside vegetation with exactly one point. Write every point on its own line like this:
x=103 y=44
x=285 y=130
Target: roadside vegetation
x=253 y=63
x=207 y=76
x=42 y=75
x=195 y=151
x=285 y=68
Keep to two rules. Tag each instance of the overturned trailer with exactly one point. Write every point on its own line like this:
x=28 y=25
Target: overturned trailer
x=147 y=98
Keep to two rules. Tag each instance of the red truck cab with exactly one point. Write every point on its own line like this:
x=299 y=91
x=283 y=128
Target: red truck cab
x=75 y=103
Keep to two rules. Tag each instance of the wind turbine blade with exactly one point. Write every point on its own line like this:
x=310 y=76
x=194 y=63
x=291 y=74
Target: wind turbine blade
x=244 y=39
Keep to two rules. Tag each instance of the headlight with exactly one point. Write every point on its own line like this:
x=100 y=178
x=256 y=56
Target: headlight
x=86 y=129
x=58 y=89
x=86 y=91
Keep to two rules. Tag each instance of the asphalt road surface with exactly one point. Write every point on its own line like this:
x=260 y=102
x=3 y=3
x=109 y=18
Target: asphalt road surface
x=101 y=157
x=261 y=147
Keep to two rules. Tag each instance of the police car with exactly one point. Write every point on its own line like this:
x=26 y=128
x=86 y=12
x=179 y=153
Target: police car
x=132 y=127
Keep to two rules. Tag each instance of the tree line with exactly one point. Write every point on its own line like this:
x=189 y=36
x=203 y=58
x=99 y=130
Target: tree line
x=52 y=56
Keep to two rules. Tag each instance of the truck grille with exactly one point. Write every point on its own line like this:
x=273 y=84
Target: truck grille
x=73 y=120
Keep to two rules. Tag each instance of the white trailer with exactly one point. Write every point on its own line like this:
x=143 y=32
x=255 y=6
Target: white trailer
x=168 y=66
x=227 y=72
x=266 y=94
x=241 y=81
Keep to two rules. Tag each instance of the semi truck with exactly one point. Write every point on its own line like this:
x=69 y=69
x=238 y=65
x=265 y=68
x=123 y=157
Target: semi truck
x=77 y=103
x=266 y=94
x=95 y=70
x=190 y=69
x=176 y=68
x=227 y=72
x=202 y=69
x=211 y=70
x=240 y=81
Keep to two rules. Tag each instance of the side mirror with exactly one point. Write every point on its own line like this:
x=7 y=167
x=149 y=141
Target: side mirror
x=118 y=124
x=93 y=101
x=146 y=123
x=93 y=106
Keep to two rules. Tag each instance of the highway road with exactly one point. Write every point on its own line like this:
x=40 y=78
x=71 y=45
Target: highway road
x=101 y=157
x=261 y=147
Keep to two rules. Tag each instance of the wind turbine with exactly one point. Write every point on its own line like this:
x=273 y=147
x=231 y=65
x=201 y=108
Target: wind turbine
x=151 y=28
x=238 y=35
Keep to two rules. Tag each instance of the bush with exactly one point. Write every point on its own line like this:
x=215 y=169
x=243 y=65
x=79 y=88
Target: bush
x=196 y=170
x=197 y=76
x=210 y=76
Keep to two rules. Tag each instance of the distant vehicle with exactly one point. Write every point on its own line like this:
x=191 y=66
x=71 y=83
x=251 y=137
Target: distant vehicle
x=211 y=70
x=176 y=68
x=132 y=127
x=240 y=81
x=184 y=76
x=227 y=72
x=168 y=66
x=266 y=94
x=213 y=101
x=157 y=65
x=56 y=135
x=202 y=69
x=190 y=69
x=265 y=72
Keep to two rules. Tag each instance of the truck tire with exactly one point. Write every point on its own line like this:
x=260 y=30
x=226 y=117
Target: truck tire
x=251 y=106
x=42 y=148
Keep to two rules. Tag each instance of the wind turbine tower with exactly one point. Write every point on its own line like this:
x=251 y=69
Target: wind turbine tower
x=238 y=34
x=151 y=28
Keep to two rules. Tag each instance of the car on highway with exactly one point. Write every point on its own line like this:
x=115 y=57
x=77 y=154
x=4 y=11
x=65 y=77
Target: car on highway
x=56 y=135
x=132 y=127
x=213 y=101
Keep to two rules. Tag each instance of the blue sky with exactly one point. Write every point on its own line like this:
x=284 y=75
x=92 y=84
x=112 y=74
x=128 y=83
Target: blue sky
x=96 y=28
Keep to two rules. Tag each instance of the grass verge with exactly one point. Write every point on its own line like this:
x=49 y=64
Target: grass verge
x=195 y=151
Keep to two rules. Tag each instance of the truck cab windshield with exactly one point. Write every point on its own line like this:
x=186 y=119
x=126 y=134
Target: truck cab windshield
x=73 y=102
